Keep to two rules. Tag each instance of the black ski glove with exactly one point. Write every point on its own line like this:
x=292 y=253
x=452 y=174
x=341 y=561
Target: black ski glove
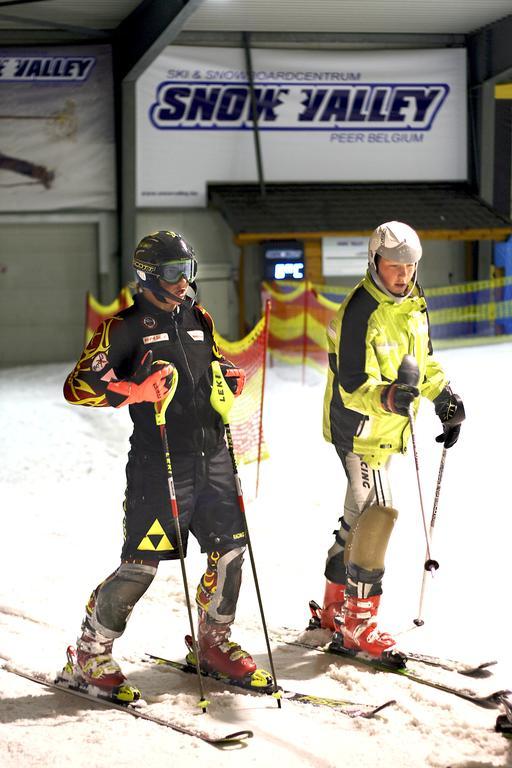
x=450 y=409
x=397 y=397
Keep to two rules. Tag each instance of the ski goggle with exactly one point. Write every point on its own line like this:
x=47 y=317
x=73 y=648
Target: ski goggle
x=174 y=271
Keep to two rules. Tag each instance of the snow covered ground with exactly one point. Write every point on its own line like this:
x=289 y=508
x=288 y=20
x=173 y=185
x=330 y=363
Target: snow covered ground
x=62 y=484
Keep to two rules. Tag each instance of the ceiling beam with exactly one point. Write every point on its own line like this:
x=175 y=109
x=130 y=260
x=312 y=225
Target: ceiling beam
x=321 y=39
x=143 y=35
x=4 y=3
x=489 y=51
x=53 y=25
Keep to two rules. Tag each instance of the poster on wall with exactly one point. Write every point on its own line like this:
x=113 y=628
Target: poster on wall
x=330 y=116
x=57 y=145
x=342 y=256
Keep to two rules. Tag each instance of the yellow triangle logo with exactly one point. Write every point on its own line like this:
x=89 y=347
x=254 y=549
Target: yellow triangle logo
x=155 y=539
x=156 y=528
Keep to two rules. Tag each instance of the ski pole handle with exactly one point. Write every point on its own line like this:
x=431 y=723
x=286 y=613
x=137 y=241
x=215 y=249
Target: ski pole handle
x=221 y=397
x=408 y=371
x=162 y=405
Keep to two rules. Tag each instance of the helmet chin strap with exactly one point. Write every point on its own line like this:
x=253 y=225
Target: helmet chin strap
x=378 y=282
x=187 y=302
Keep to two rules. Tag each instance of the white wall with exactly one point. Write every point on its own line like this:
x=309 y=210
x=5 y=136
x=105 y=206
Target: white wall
x=443 y=263
x=45 y=271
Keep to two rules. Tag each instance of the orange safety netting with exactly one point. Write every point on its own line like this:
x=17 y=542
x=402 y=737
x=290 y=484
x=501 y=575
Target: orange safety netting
x=248 y=353
x=302 y=311
x=96 y=312
x=298 y=321
x=246 y=416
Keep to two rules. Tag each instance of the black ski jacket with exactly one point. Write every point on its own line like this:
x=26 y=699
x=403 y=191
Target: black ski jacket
x=184 y=338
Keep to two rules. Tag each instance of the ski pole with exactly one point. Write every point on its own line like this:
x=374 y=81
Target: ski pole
x=222 y=400
x=420 y=621
x=160 y=418
x=408 y=373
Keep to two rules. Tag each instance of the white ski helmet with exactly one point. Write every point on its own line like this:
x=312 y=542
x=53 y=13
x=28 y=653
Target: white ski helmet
x=394 y=241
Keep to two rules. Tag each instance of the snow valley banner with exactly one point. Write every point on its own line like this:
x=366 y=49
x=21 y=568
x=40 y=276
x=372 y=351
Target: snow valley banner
x=56 y=129
x=322 y=116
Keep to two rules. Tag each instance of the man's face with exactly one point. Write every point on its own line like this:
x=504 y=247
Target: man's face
x=395 y=276
x=179 y=289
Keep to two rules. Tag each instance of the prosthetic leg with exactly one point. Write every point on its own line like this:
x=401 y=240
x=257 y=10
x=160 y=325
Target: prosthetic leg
x=364 y=557
x=107 y=613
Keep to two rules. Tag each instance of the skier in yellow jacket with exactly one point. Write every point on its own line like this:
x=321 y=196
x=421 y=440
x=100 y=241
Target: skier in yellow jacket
x=366 y=418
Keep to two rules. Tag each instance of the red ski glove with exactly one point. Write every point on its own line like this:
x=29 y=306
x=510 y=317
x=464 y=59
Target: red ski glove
x=149 y=384
x=235 y=377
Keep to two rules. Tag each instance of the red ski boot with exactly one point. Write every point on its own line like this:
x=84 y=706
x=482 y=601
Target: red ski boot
x=219 y=654
x=359 y=630
x=333 y=610
x=333 y=604
x=94 y=662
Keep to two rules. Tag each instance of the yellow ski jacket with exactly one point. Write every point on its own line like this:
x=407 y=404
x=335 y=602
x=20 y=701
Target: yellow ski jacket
x=366 y=342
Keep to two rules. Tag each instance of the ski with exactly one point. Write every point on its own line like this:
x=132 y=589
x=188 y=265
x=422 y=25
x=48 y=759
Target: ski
x=504 y=726
x=451 y=665
x=350 y=708
x=504 y=722
x=488 y=701
x=397 y=664
x=133 y=707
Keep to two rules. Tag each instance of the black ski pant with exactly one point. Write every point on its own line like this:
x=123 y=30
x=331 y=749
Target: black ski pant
x=208 y=507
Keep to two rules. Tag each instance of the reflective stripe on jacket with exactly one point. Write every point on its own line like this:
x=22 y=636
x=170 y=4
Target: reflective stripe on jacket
x=366 y=341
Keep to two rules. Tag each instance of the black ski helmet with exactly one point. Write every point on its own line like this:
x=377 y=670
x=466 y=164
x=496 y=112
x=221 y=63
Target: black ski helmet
x=165 y=256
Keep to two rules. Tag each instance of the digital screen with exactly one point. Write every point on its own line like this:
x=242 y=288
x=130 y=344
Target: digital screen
x=286 y=270
x=283 y=261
